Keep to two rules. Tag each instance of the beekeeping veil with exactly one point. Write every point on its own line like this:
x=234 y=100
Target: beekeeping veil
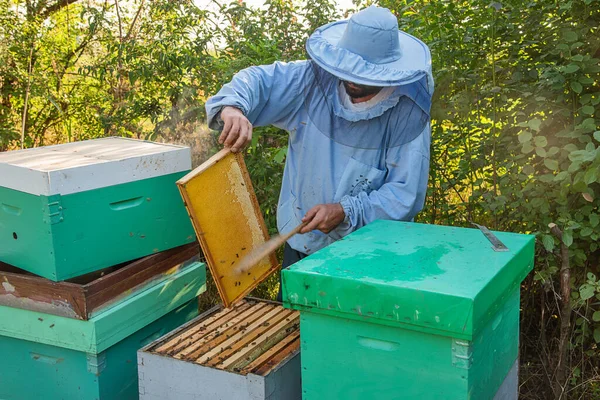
x=368 y=49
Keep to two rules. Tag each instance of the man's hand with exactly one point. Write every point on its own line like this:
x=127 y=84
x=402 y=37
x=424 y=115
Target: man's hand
x=237 y=130
x=324 y=217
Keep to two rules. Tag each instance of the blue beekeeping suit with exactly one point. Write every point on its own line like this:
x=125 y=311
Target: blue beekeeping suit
x=374 y=159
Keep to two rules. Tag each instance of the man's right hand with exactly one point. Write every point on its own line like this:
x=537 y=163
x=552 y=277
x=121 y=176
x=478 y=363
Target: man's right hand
x=237 y=130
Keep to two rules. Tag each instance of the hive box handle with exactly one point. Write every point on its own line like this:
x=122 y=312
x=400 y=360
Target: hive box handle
x=11 y=209
x=378 y=344
x=125 y=204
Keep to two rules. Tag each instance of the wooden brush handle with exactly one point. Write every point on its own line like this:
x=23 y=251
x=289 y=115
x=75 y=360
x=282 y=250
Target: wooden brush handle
x=264 y=250
x=293 y=232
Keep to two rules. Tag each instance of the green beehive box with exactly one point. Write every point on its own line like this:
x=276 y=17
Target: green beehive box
x=62 y=206
x=409 y=311
x=50 y=357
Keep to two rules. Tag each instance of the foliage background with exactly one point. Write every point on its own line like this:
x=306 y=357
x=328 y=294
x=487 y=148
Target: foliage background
x=516 y=122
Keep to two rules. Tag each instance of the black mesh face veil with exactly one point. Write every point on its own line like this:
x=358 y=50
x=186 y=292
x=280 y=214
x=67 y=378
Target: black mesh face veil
x=370 y=129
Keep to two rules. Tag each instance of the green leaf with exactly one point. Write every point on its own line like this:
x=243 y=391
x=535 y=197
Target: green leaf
x=569 y=69
x=540 y=152
x=597 y=335
x=535 y=124
x=596 y=316
x=592 y=69
x=578 y=57
x=567 y=238
x=570 y=36
x=280 y=155
x=587 y=231
x=589 y=110
x=527 y=148
x=540 y=141
x=548 y=242
x=591 y=276
x=576 y=45
x=584 y=80
x=553 y=151
x=561 y=176
x=585 y=98
x=528 y=169
x=577 y=87
x=586 y=291
x=591 y=148
x=597 y=135
x=525 y=136
x=591 y=175
x=546 y=178
x=594 y=220
x=551 y=164
x=496 y=5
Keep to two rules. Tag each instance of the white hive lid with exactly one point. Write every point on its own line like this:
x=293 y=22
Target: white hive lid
x=91 y=164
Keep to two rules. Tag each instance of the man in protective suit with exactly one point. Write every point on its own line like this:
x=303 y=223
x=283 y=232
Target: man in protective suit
x=357 y=114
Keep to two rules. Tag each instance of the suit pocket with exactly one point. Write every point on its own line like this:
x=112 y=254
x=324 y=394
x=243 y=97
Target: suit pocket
x=359 y=177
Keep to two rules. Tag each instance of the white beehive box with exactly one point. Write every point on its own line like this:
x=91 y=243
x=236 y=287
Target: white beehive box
x=248 y=352
x=63 y=207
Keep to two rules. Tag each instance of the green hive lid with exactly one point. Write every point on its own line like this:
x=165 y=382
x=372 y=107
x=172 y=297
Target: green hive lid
x=438 y=279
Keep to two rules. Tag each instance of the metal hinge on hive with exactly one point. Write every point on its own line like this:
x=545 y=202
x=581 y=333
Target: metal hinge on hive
x=96 y=363
x=54 y=213
x=462 y=354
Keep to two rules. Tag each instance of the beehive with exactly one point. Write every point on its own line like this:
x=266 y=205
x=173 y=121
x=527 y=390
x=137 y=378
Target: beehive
x=248 y=351
x=407 y=311
x=56 y=357
x=89 y=294
x=62 y=206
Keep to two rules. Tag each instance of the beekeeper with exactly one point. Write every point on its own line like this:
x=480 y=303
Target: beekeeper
x=357 y=113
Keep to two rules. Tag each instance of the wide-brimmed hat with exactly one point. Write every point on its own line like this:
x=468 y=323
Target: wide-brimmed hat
x=369 y=49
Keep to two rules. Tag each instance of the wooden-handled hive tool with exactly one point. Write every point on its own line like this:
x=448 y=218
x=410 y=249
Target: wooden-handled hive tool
x=261 y=252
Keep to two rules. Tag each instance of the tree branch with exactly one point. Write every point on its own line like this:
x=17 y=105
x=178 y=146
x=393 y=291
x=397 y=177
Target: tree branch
x=27 y=92
x=60 y=4
x=560 y=390
x=137 y=14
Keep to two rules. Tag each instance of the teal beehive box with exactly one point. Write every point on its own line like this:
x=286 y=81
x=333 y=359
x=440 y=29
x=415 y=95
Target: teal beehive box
x=63 y=206
x=51 y=357
x=410 y=311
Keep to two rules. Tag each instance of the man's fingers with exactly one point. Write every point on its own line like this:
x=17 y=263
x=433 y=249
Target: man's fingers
x=311 y=226
x=313 y=218
x=226 y=128
x=310 y=214
x=233 y=134
x=241 y=141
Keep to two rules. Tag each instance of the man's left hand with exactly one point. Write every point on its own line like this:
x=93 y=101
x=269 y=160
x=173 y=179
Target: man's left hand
x=324 y=217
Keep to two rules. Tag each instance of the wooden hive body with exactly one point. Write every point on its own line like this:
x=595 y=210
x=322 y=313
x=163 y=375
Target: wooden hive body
x=84 y=296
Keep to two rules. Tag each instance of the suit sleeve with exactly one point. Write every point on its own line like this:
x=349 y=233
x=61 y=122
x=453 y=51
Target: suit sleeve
x=267 y=95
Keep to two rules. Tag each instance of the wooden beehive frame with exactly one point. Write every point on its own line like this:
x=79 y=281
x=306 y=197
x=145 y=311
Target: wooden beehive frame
x=231 y=288
x=254 y=336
